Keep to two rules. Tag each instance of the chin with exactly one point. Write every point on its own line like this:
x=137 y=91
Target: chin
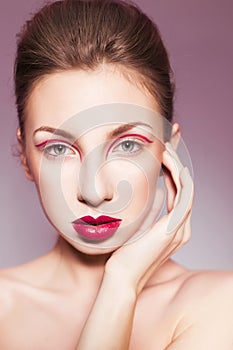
x=90 y=248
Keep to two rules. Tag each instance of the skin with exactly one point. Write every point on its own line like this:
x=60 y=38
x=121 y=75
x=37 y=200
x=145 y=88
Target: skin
x=76 y=297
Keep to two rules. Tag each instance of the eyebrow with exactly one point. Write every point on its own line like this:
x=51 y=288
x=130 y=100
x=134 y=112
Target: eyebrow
x=125 y=127
x=57 y=132
x=113 y=133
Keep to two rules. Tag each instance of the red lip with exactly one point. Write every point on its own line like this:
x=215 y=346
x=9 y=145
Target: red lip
x=103 y=219
x=96 y=229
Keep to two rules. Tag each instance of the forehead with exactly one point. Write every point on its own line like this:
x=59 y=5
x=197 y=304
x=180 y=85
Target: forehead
x=80 y=99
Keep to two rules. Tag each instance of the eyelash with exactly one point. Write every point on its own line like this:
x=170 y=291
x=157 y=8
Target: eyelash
x=131 y=142
x=48 y=146
x=133 y=139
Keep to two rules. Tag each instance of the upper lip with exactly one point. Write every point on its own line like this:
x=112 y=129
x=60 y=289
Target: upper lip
x=103 y=219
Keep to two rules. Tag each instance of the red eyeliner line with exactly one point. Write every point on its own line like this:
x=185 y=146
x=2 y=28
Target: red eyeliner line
x=57 y=140
x=41 y=144
x=141 y=137
x=49 y=141
x=128 y=135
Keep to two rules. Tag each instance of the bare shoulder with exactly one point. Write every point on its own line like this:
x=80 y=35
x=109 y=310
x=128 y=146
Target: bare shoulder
x=206 y=284
x=205 y=301
x=9 y=278
x=12 y=281
x=10 y=286
x=19 y=276
x=192 y=292
x=21 y=283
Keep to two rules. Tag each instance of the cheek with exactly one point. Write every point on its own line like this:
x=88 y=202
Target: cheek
x=69 y=181
x=56 y=187
x=140 y=178
x=144 y=191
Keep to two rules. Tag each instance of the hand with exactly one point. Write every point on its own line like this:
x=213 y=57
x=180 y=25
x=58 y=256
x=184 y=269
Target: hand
x=135 y=263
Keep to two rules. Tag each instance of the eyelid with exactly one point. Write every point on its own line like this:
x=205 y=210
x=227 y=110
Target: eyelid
x=57 y=141
x=136 y=135
x=142 y=137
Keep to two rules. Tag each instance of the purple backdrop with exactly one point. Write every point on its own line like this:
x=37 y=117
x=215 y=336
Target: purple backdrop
x=198 y=34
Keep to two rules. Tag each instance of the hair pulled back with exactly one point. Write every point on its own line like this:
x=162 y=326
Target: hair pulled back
x=76 y=34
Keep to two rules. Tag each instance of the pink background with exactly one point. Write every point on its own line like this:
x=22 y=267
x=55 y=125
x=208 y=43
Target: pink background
x=198 y=34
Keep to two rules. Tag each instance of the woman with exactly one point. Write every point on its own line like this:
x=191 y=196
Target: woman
x=92 y=80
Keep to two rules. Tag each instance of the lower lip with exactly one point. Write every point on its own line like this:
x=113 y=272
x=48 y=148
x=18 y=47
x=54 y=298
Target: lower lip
x=97 y=233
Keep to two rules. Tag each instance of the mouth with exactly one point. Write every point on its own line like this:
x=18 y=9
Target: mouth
x=96 y=229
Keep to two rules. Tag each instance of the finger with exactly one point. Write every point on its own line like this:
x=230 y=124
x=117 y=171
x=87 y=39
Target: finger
x=171 y=189
x=177 y=216
x=171 y=222
x=173 y=152
x=187 y=229
x=174 y=166
x=183 y=235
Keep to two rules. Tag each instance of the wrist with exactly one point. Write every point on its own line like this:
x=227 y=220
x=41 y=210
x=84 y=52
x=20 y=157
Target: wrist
x=119 y=287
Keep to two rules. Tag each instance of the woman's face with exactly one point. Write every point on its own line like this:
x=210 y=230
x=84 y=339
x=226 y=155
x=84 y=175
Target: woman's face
x=93 y=148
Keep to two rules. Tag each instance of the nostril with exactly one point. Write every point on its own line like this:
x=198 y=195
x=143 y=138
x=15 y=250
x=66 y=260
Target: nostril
x=93 y=201
x=83 y=199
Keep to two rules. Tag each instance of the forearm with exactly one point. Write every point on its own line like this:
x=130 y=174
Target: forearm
x=109 y=324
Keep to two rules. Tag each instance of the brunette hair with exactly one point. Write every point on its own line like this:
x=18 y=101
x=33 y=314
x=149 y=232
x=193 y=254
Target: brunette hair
x=79 y=34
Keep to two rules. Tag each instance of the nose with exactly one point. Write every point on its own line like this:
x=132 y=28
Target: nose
x=93 y=186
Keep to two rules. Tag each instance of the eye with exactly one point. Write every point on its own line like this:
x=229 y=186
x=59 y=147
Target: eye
x=128 y=147
x=58 y=150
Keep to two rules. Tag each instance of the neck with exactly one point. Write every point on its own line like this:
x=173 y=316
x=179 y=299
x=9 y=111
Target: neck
x=80 y=268
x=75 y=269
